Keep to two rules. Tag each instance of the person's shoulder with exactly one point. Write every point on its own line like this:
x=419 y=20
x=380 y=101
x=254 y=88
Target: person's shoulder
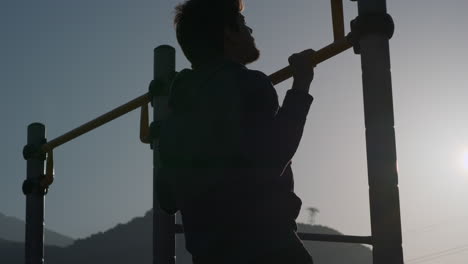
x=254 y=78
x=258 y=87
x=255 y=75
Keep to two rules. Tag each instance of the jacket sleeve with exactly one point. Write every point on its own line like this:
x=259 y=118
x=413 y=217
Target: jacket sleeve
x=270 y=138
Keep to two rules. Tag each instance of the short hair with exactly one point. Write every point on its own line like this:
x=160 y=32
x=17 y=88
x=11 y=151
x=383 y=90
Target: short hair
x=200 y=27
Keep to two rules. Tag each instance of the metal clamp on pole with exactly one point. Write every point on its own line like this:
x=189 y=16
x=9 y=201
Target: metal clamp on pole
x=149 y=132
x=33 y=186
x=158 y=88
x=370 y=24
x=34 y=151
x=40 y=184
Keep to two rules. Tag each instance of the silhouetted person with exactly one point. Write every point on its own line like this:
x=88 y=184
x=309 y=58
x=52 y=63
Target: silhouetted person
x=227 y=146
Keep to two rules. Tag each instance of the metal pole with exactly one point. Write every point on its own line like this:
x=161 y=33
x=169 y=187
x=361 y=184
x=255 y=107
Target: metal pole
x=163 y=224
x=380 y=139
x=34 y=240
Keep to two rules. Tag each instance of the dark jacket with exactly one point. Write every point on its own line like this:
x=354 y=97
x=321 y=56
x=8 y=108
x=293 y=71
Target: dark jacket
x=226 y=153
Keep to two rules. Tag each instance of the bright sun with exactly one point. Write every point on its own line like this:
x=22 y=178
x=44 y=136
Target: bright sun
x=465 y=160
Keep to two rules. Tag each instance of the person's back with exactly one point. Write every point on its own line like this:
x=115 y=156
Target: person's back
x=226 y=153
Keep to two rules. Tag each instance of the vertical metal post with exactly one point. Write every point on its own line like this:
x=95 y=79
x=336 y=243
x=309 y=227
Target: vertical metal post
x=163 y=224
x=338 y=20
x=34 y=240
x=380 y=139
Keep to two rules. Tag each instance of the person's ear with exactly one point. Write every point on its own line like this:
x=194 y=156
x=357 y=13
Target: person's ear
x=230 y=35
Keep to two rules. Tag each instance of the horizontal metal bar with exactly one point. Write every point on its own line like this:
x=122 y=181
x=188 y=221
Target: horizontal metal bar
x=338 y=19
x=316 y=237
x=101 y=120
x=319 y=57
x=336 y=238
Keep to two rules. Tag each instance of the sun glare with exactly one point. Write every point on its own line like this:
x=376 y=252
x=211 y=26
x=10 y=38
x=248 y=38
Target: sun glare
x=465 y=160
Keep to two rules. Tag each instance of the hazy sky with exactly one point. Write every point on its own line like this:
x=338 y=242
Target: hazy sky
x=65 y=62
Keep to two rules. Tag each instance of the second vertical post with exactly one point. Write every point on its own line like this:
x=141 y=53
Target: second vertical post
x=163 y=224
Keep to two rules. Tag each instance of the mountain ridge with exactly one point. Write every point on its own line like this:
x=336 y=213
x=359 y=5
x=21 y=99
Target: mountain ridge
x=132 y=243
x=12 y=229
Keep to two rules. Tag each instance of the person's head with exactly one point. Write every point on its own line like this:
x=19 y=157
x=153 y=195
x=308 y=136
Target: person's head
x=211 y=29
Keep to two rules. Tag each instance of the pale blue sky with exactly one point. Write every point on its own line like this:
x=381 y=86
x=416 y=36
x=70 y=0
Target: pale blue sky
x=65 y=62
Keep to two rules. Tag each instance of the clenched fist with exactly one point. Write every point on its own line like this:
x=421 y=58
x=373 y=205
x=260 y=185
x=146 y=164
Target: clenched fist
x=302 y=66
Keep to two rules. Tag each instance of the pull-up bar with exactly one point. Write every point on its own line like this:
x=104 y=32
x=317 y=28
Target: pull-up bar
x=276 y=78
x=319 y=57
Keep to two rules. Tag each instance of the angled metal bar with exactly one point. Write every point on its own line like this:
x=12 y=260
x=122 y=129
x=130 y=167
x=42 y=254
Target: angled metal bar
x=95 y=123
x=338 y=19
x=319 y=57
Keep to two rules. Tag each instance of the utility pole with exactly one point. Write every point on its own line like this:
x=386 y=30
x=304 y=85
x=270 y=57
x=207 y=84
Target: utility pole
x=371 y=31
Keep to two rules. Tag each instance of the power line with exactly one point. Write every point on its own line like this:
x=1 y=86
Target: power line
x=432 y=226
x=436 y=255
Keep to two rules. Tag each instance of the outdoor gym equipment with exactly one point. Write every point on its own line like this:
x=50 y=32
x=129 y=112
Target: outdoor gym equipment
x=370 y=34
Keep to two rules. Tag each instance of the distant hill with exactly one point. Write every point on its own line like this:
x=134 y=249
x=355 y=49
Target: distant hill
x=12 y=229
x=132 y=243
x=13 y=252
x=326 y=252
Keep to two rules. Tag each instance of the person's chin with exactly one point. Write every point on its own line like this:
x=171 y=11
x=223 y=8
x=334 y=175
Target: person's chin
x=253 y=56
